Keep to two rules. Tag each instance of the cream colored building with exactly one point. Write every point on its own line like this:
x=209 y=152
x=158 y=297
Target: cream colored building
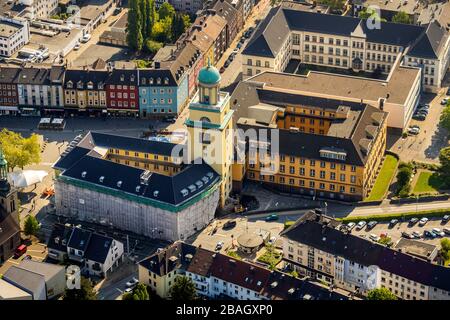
x=315 y=247
x=344 y=43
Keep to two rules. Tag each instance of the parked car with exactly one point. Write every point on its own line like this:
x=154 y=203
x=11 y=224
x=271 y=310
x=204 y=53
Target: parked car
x=417 y=234
x=445 y=219
x=360 y=225
x=350 y=225
x=128 y=290
x=85 y=38
x=226 y=64
x=132 y=283
x=169 y=119
x=429 y=234
x=419 y=116
x=407 y=235
x=445 y=101
x=236 y=51
x=219 y=245
x=413 y=131
x=229 y=224
x=448 y=92
x=393 y=222
x=438 y=232
x=371 y=224
x=423 y=222
x=20 y=250
x=413 y=221
x=242 y=40
x=446 y=230
x=374 y=237
x=239 y=45
x=117 y=11
x=77 y=46
x=272 y=217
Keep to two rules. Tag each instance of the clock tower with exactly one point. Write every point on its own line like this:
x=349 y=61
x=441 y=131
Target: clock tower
x=210 y=128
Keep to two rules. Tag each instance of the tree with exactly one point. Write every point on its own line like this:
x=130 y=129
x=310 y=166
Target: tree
x=31 y=226
x=153 y=46
x=445 y=249
x=151 y=17
x=134 y=28
x=367 y=13
x=162 y=30
x=86 y=291
x=144 y=18
x=403 y=180
x=20 y=151
x=166 y=10
x=444 y=170
x=445 y=117
x=183 y=289
x=381 y=294
x=140 y=292
x=402 y=17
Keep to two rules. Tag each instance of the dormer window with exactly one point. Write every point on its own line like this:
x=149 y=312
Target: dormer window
x=151 y=80
x=144 y=81
x=122 y=77
x=70 y=84
x=80 y=85
x=132 y=77
x=101 y=85
x=158 y=81
x=166 y=80
x=90 y=85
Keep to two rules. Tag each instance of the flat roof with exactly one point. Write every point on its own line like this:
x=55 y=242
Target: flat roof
x=11 y=292
x=396 y=88
x=414 y=247
x=7 y=29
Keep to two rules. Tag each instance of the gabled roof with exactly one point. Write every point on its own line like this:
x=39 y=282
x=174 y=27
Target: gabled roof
x=123 y=77
x=9 y=74
x=162 y=73
x=59 y=238
x=98 y=248
x=48 y=270
x=79 y=239
x=68 y=160
x=275 y=28
x=430 y=44
x=85 y=76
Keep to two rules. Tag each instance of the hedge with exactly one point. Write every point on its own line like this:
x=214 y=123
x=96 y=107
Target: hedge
x=388 y=217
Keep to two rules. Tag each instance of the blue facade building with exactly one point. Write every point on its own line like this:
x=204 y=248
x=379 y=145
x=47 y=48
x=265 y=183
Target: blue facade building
x=162 y=92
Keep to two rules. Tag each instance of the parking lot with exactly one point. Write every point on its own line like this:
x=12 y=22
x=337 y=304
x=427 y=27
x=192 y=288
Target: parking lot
x=395 y=232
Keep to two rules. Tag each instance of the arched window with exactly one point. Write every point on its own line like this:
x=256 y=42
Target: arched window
x=205 y=119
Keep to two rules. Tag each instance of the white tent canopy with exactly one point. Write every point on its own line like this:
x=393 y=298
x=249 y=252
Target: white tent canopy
x=25 y=178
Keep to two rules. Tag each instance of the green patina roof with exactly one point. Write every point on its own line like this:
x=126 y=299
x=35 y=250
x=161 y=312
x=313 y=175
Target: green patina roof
x=209 y=75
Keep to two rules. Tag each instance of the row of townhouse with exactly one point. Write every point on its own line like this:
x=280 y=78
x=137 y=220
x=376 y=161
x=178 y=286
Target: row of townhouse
x=55 y=90
x=315 y=247
x=343 y=42
x=217 y=276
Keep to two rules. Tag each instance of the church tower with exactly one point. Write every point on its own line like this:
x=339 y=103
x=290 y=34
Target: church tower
x=210 y=127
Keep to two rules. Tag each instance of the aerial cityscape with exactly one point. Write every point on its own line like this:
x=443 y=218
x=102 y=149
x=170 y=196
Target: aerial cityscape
x=213 y=150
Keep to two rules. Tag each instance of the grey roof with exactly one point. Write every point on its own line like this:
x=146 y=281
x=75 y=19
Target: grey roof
x=8 y=74
x=26 y=280
x=128 y=143
x=68 y=160
x=159 y=187
x=273 y=31
x=431 y=43
x=79 y=239
x=60 y=234
x=123 y=76
x=48 y=270
x=312 y=231
x=98 y=248
x=85 y=76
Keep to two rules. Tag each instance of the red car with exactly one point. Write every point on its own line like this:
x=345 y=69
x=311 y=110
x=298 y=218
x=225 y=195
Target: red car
x=20 y=251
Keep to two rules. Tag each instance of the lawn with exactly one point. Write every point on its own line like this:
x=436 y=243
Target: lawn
x=428 y=182
x=383 y=179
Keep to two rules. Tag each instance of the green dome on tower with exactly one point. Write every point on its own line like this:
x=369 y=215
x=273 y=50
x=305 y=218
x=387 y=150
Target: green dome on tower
x=209 y=75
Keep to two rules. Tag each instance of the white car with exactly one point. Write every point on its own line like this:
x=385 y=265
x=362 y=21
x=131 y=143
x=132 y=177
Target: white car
x=413 y=131
x=445 y=101
x=360 y=225
x=132 y=282
x=236 y=51
x=351 y=225
x=77 y=46
x=423 y=222
x=219 y=246
x=438 y=232
x=374 y=237
x=86 y=38
x=128 y=290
